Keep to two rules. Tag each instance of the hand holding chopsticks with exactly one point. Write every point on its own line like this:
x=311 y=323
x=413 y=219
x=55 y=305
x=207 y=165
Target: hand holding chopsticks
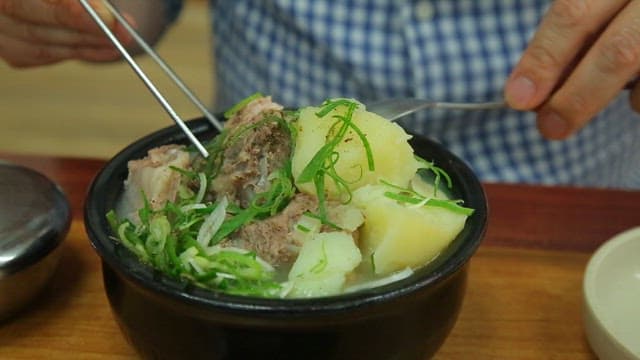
x=145 y=79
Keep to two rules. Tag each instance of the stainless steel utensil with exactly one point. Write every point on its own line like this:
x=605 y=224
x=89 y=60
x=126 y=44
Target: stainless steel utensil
x=393 y=109
x=34 y=220
x=161 y=63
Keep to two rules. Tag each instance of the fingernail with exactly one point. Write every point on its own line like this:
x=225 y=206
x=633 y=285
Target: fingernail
x=520 y=91
x=553 y=126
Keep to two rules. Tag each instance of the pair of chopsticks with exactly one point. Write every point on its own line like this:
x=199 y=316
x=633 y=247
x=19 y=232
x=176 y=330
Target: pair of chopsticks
x=163 y=65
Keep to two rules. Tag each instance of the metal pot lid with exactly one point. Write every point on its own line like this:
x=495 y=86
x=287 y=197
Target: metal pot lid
x=34 y=217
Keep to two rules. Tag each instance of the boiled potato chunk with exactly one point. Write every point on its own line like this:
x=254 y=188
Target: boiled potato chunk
x=392 y=155
x=323 y=264
x=397 y=235
x=347 y=217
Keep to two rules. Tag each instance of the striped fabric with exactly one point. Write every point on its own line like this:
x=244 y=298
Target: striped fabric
x=302 y=52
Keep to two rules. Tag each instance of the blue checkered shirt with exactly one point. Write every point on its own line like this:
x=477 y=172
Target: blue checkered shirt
x=302 y=52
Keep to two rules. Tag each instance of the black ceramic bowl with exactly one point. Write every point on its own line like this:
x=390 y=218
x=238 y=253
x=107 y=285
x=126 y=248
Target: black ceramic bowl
x=163 y=318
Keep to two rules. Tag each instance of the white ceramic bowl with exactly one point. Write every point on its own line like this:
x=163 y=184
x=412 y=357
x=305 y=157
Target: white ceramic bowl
x=612 y=298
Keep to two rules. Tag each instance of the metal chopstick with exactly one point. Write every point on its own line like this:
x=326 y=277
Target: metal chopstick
x=145 y=79
x=163 y=65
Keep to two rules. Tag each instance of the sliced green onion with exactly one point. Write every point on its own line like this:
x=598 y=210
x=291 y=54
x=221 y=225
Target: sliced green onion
x=212 y=223
x=323 y=162
x=203 y=187
x=241 y=104
x=322 y=263
x=451 y=205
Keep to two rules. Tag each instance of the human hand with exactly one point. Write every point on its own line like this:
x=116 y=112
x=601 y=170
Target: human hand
x=41 y=32
x=582 y=55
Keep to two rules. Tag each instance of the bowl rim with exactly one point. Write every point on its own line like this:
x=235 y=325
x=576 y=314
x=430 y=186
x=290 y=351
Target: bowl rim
x=591 y=312
x=103 y=244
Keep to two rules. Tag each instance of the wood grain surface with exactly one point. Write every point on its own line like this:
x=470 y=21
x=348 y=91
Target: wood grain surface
x=523 y=299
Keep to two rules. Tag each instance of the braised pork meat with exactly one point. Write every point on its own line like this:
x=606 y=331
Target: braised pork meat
x=154 y=177
x=272 y=238
x=256 y=147
x=254 y=152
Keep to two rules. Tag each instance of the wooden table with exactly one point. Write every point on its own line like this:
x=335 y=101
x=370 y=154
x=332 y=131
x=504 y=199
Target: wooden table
x=523 y=300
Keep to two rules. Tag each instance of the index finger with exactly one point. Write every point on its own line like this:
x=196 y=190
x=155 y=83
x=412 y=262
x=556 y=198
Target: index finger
x=608 y=65
x=62 y=13
x=565 y=30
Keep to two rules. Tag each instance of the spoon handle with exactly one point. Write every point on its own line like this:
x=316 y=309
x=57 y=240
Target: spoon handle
x=471 y=106
x=393 y=109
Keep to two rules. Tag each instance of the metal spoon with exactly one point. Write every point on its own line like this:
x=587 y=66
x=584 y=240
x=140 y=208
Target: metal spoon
x=393 y=109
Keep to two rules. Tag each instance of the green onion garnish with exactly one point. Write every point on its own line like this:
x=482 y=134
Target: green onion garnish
x=241 y=104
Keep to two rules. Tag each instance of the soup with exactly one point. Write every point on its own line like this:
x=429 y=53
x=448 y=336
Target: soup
x=301 y=203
